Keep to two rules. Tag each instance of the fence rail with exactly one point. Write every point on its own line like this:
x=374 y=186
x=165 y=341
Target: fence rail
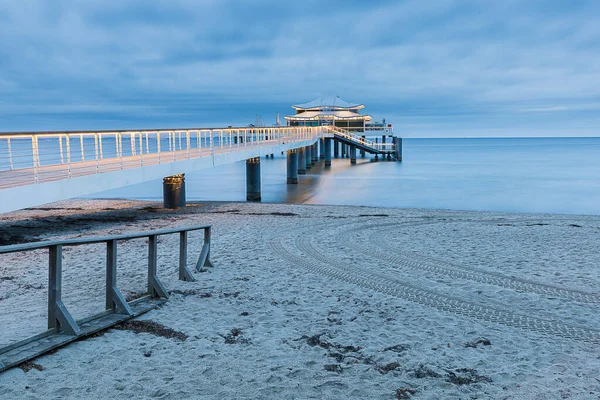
x=62 y=328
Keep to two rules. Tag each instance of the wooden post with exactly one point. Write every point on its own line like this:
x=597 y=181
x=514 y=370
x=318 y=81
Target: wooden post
x=184 y=273
x=204 y=259
x=114 y=298
x=59 y=317
x=155 y=287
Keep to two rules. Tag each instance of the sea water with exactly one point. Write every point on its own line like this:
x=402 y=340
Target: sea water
x=536 y=175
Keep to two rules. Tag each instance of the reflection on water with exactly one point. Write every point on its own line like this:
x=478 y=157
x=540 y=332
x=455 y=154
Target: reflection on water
x=557 y=175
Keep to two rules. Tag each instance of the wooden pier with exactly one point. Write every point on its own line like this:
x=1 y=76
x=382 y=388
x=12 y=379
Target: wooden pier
x=42 y=167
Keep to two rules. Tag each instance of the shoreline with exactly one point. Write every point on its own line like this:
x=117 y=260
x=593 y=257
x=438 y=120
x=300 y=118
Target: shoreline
x=313 y=301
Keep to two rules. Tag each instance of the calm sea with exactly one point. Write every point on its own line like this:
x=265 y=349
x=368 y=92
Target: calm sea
x=538 y=175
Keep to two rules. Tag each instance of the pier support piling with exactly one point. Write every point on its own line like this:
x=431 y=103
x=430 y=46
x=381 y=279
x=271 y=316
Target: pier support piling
x=253 y=179
x=362 y=151
x=336 y=148
x=322 y=148
x=174 y=191
x=308 y=156
x=327 y=152
x=398 y=148
x=315 y=153
x=352 y=154
x=292 y=167
x=301 y=161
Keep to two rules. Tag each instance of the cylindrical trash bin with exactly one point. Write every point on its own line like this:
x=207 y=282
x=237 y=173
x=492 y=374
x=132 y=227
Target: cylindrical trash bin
x=174 y=191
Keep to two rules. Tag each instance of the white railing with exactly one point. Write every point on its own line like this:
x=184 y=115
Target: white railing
x=353 y=135
x=36 y=157
x=370 y=131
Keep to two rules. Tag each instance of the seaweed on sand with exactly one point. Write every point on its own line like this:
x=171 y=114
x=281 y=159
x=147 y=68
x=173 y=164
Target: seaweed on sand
x=154 y=328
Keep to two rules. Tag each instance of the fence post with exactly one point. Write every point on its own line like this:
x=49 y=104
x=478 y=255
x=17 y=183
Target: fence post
x=204 y=259
x=212 y=145
x=141 y=149
x=158 y=145
x=174 y=146
x=97 y=152
x=10 y=161
x=184 y=272
x=81 y=147
x=155 y=287
x=132 y=142
x=188 y=142
x=120 y=145
x=58 y=316
x=68 y=144
x=100 y=146
x=114 y=298
x=34 y=150
x=60 y=148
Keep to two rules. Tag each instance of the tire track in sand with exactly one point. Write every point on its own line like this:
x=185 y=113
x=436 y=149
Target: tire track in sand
x=422 y=263
x=369 y=279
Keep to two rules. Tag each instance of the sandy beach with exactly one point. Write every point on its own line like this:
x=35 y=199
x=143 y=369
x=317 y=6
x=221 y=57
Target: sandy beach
x=316 y=302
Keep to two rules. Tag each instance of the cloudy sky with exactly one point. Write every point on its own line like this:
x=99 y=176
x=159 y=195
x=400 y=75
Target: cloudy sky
x=433 y=68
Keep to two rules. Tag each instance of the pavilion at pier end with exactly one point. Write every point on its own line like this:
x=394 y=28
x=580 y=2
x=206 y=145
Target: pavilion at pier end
x=351 y=129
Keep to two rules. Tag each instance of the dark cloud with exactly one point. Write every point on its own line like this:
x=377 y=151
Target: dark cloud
x=430 y=67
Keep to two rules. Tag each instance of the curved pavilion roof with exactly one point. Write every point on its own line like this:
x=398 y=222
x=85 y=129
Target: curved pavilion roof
x=337 y=114
x=328 y=102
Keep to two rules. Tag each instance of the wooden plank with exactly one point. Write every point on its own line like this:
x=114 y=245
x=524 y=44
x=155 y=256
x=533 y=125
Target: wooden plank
x=44 y=344
x=99 y=239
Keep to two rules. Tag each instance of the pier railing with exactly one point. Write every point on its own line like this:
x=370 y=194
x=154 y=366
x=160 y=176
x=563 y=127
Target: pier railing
x=356 y=135
x=36 y=157
x=369 y=130
x=62 y=328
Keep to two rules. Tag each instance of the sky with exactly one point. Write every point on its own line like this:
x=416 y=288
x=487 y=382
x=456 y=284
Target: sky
x=438 y=68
